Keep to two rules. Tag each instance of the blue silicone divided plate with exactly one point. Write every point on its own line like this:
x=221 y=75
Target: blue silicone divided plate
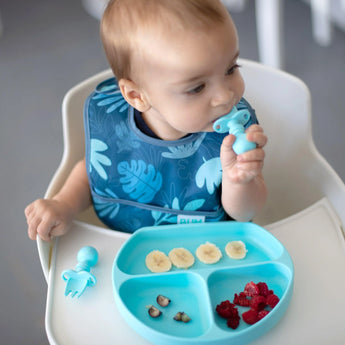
x=197 y=290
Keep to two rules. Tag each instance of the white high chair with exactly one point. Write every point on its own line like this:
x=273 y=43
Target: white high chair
x=305 y=210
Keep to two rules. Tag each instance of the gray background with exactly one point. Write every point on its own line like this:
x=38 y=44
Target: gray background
x=49 y=46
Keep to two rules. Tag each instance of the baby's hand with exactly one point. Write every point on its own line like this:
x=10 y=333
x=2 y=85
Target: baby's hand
x=48 y=218
x=245 y=167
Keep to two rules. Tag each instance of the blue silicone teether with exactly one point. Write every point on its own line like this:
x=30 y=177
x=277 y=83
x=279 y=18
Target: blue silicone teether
x=234 y=122
x=80 y=278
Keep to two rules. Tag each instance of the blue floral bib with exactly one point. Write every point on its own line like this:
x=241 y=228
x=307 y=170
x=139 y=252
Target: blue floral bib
x=137 y=180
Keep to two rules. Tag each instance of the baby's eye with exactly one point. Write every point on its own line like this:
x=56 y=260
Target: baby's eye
x=232 y=69
x=196 y=90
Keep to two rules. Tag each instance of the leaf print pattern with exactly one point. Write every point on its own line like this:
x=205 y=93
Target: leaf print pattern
x=127 y=169
x=140 y=181
x=209 y=173
x=194 y=205
x=97 y=159
x=184 y=151
x=125 y=141
x=107 y=87
x=114 y=101
x=161 y=217
x=106 y=208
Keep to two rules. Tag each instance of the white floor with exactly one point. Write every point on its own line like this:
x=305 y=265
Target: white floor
x=47 y=47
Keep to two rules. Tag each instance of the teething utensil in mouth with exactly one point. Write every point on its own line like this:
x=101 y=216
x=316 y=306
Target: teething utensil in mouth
x=234 y=122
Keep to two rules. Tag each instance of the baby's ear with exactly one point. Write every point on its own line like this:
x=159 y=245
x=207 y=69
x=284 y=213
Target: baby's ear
x=132 y=94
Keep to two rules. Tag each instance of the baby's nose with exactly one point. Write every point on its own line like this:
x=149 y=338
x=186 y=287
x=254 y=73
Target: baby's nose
x=222 y=96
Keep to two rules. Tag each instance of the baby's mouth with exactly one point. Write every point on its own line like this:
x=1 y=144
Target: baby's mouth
x=220 y=116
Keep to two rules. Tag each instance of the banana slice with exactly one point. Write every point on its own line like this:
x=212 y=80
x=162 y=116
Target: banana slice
x=181 y=258
x=208 y=253
x=156 y=261
x=236 y=250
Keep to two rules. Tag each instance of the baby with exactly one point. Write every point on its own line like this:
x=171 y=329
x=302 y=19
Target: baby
x=153 y=157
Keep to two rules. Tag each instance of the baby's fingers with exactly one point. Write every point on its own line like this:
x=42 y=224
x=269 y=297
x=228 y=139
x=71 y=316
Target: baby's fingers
x=256 y=134
x=254 y=128
x=44 y=229
x=227 y=143
x=32 y=221
x=227 y=155
x=40 y=219
x=32 y=228
x=255 y=155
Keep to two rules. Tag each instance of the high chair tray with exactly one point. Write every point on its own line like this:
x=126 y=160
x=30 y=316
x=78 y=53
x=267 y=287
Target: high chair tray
x=315 y=315
x=197 y=290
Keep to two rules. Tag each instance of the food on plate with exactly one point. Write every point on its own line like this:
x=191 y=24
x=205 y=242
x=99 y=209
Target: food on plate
x=257 y=297
x=181 y=258
x=208 y=253
x=181 y=316
x=250 y=316
x=156 y=261
x=153 y=311
x=272 y=300
x=228 y=310
x=236 y=250
x=163 y=301
x=251 y=289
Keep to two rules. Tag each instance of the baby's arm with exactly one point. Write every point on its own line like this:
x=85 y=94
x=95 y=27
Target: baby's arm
x=52 y=217
x=243 y=187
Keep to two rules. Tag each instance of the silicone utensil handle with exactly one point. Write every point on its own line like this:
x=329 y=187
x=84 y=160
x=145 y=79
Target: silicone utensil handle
x=80 y=278
x=234 y=122
x=87 y=257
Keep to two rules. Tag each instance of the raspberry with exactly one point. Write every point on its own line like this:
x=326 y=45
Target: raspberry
x=272 y=300
x=241 y=300
x=251 y=316
x=262 y=313
x=227 y=310
x=256 y=296
x=258 y=302
x=251 y=289
x=264 y=291
x=233 y=322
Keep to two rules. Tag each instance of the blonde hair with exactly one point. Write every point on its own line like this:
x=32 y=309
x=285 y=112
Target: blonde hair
x=123 y=18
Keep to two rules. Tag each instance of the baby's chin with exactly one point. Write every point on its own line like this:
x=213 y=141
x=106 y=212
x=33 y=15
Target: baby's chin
x=207 y=128
x=210 y=128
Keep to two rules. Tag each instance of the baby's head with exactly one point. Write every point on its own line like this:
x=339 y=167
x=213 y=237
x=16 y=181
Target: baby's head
x=123 y=20
x=175 y=61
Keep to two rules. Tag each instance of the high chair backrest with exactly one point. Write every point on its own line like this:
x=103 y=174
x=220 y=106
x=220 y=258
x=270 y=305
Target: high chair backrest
x=295 y=173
